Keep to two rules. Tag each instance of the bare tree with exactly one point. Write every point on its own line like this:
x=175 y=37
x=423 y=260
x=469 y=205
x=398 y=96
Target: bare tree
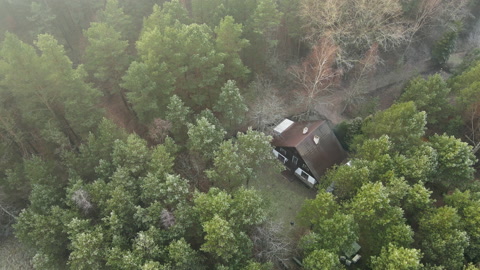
x=356 y=24
x=168 y=219
x=81 y=199
x=158 y=130
x=362 y=71
x=268 y=109
x=438 y=13
x=270 y=244
x=316 y=75
x=473 y=127
x=8 y=215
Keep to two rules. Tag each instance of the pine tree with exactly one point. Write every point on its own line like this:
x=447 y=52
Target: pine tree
x=231 y=105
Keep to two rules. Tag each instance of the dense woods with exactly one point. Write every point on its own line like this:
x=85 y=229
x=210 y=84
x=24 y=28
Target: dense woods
x=135 y=134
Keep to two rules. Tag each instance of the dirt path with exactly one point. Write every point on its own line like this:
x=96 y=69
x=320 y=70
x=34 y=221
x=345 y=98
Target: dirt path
x=386 y=86
x=116 y=111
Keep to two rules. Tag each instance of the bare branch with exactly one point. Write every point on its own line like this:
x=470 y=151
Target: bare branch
x=270 y=244
x=316 y=75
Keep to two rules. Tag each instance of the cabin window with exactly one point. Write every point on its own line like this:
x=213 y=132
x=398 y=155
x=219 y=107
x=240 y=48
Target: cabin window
x=304 y=175
x=295 y=160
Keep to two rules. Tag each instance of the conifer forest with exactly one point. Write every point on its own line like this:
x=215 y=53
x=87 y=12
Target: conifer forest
x=142 y=135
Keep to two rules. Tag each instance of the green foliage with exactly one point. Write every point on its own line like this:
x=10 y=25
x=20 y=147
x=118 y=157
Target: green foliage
x=431 y=96
x=444 y=47
x=322 y=260
x=471 y=59
x=256 y=153
x=105 y=56
x=455 y=161
x=182 y=256
x=418 y=164
x=418 y=201
x=262 y=28
x=333 y=231
x=237 y=162
x=229 y=43
x=131 y=155
x=46 y=233
x=397 y=258
x=208 y=114
x=402 y=123
x=266 y=17
x=180 y=59
x=346 y=179
x=227 y=171
x=466 y=85
x=468 y=206
x=149 y=88
x=373 y=211
x=252 y=265
x=114 y=16
x=162 y=159
x=170 y=14
x=231 y=105
x=87 y=250
x=48 y=95
x=42 y=17
x=219 y=239
x=178 y=116
x=378 y=157
x=245 y=207
x=170 y=190
x=204 y=138
x=441 y=239
x=346 y=131
x=209 y=12
x=96 y=150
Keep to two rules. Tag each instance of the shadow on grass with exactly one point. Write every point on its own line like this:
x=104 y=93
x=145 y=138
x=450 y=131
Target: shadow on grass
x=284 y=195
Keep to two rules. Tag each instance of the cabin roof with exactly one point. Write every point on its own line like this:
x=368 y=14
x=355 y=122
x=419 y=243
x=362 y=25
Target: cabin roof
x=315 y=142
x=293 y=135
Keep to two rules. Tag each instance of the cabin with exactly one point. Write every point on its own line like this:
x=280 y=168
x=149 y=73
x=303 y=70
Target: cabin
x=308 y=149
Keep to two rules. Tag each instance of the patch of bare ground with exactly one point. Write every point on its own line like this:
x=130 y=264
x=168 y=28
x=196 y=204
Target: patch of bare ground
x=285 y=195
x=117 y=112
x=13 y=255
x=386 y=86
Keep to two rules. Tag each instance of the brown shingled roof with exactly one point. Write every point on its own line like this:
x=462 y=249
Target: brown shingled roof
x=318 y=157
x=293 y=136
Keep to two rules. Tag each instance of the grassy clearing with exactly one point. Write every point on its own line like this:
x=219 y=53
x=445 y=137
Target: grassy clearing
x=285 y=197
x=13 y=255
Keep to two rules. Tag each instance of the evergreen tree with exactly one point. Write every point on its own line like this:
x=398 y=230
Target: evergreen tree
x=441 y=238
x=393 y=258
x=231 y=105
x=431 y=96
x=204 y=138
x=178 y=116
x=105 y=56
x=403 y=124
x=114 y=16
x=229 y=43
x=51 y=96
x=455 y=161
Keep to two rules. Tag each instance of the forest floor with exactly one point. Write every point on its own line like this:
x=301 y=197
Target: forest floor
x=13 y=255
x=116 y=111
x=383 y=87
x=285 y=195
